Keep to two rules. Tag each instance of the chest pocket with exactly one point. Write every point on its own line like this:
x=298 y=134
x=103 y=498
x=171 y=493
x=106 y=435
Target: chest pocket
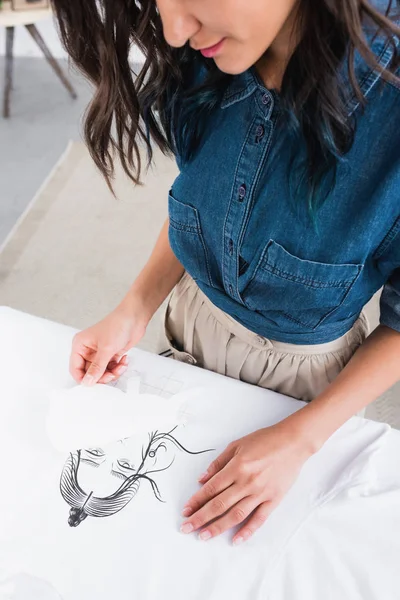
x=187 y=241
x=292 y=291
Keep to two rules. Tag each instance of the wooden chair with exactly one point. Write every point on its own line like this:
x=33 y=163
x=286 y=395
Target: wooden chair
x=27 y=18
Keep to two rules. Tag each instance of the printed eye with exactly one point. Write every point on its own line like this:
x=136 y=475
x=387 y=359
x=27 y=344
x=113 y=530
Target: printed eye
x=95 y=451
x=124 y=469
x=125 y=464
x=93 y=457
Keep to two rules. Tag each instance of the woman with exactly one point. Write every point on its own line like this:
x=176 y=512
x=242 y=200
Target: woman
x=283 y=221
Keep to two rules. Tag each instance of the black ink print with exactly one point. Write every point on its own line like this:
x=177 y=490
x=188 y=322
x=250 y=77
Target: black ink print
x=86 y=504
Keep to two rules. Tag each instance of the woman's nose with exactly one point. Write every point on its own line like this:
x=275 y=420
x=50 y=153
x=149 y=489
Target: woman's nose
x=179 y=24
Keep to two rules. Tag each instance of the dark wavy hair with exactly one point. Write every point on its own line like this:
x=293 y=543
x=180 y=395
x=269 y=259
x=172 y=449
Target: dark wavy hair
x=165 y=105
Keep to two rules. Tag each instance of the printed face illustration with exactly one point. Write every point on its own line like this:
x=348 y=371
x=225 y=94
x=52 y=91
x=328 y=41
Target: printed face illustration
x=103 y=470
x=100 y=482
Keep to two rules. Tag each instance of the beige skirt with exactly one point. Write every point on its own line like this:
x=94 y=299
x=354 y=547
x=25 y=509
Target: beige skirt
x=201 y=334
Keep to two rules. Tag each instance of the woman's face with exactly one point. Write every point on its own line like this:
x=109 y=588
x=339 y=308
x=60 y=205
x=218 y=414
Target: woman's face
x=242 y=29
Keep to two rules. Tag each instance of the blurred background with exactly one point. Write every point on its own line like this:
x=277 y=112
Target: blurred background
x=68 y=249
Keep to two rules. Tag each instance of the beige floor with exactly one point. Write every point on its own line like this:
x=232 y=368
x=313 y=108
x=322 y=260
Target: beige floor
x=75 y=251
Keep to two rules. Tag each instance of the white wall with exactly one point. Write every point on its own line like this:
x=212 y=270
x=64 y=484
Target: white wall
x=24 y=45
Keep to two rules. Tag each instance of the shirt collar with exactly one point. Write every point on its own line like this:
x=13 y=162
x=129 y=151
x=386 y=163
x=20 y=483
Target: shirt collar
x=244 y=84
x=241 y=86
x=366 y=76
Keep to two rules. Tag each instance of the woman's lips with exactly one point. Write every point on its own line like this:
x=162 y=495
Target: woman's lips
x=212 y=50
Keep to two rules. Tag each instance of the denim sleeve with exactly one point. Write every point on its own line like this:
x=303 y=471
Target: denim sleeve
x=390 y=297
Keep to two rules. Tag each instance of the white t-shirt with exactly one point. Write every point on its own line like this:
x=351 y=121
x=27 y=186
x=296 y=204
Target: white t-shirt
x=336 y=533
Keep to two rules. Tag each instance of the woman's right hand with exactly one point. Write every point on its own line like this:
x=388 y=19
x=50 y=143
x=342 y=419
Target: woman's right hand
x=98 y=353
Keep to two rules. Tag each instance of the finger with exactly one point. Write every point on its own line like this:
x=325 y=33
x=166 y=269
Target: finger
x=257 y=519
x=114 y=369
x=237 y=514
x=107 y=377
x=120 y=358
x=217 y=484
x=112 y=374
x=78 y=357
x=217 y=464
x=214 y=508
x=97 y=367
x=122 y=361
x=118 y=370
x=118 y=364
x=117 y=367
x=77 y=364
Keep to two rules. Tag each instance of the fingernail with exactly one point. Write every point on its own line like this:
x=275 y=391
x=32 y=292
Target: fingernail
x=187 y=528
x=109 y=378
x=203 y=475
x=186 y=512
x=237 y=541
x=205 y=535
x=87 y=380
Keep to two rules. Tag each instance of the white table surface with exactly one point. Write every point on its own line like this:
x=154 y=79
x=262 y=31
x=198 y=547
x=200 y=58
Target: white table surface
x=34 y=356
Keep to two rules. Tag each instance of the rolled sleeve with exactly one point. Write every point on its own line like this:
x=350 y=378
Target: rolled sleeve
x=390 y=302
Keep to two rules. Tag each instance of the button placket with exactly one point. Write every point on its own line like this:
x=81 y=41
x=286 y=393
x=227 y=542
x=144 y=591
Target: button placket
x=265 y=99
x=267 y=103
x=259 y=133
x=248 y=169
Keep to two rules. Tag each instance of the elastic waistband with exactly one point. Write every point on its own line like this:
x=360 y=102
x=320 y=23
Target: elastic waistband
x=351 y=337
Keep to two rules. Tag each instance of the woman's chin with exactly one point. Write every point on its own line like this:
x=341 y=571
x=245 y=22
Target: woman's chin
x=230 y=65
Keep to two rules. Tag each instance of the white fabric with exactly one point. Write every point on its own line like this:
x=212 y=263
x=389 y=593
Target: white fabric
x=336 y=534
x=82 y=417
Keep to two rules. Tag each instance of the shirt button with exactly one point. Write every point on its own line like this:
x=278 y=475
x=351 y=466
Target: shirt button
x=265 y=99
x=242 y=192
x=230 y=289
x=261 y=340
x=259 y=132
x=230 y=247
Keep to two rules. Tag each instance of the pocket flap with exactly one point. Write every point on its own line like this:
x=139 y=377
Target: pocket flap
x=183 y=216
x=280 y=262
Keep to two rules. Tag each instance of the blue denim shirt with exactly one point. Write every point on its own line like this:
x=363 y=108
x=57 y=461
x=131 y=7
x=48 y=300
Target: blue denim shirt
x=232 y=229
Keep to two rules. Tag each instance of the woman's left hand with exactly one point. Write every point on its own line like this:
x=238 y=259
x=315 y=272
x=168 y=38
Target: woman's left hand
x=250 y=477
